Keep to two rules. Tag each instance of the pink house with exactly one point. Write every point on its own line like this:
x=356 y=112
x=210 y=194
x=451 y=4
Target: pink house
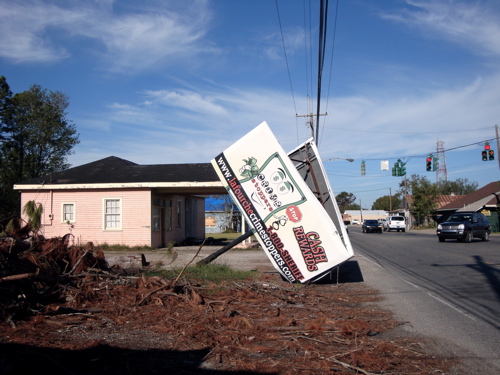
x=116 y=201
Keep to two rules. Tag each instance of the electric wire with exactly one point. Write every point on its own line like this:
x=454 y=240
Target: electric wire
x=408 y=132
x=306 y=49
x=287 y=68
x=286 y=58
x=323 y=22
x=310 y=54
x=331 y=61
x=427 y=154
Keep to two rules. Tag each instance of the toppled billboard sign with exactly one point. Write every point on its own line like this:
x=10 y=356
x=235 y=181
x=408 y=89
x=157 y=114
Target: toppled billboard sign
x=308 y=163
x=289 y=222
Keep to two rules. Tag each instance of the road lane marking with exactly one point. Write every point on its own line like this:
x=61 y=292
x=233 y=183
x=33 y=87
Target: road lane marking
x=369 y=260
x=413 y=285
x=450 y=305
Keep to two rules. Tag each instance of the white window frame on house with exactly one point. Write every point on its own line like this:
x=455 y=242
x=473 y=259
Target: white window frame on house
x=107 y=218
x=64 y=218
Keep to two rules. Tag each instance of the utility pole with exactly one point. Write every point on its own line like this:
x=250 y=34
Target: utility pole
x=390 y=199
x=498 y=145
x=311 y=119
x=441 y=172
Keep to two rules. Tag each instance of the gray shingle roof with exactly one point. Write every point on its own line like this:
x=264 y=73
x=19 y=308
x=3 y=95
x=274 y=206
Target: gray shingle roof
x=116 y=170
x=487 y=195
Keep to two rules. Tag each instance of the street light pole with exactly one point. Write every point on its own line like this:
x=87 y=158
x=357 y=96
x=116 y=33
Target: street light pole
x=349 y=160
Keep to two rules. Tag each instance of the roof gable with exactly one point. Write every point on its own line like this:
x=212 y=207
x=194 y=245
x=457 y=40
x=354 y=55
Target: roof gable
x=487 y=195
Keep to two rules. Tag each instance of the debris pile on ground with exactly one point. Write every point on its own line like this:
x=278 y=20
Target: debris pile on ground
x=63 y=310
x=103 y=323
x=33 y=271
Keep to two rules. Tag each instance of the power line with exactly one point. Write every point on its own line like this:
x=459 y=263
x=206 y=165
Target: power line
x=403 y=132
x=427 y=154
x=286 y=58
x=331 y=59
x=323 y=22
x=307 y=49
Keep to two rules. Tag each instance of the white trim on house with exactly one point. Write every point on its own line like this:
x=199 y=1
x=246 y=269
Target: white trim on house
x=181 y=184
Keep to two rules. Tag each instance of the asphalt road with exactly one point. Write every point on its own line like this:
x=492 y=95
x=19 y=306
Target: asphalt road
x=447 y=291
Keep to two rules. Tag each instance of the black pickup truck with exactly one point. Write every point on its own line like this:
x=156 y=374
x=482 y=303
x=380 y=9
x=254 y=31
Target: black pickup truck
x=464 y=226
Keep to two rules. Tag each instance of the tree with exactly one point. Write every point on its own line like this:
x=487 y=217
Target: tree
x=353 y=207
x=6 y=192
x=387 y=203
x=461 y=186
x=345 y=201
x=37 y=137
x=5 y=95
x=424 y=195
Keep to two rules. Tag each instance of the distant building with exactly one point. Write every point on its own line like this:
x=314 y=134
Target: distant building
x=219 y=221
x=360 y=215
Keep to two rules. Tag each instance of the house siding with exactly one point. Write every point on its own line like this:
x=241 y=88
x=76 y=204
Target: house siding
x=88 y=225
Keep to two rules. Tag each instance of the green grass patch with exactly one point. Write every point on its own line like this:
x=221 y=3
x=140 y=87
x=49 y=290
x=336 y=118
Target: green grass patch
x=106 y=247
x=216 y=273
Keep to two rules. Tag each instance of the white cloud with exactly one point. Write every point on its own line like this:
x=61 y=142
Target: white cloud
x=469 y=24
x=23 y=29
x=412 y=125
x=33 y=31
x=188 y=100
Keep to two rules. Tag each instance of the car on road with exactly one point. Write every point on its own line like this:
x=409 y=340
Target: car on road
x=355 y=222
x=464 y=226
x=371 y=226
x=395 y=223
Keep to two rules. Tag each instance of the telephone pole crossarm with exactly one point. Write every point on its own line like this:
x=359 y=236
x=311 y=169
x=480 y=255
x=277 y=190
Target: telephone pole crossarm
x=311 y=121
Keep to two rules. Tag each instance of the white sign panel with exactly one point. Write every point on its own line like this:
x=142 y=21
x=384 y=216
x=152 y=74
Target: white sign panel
x=289 y=222
x=308 y=163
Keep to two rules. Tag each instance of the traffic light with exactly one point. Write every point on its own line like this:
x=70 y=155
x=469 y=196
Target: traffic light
x=428 y=165
x=491 y=154
x=435 y=163
x=363 y=168
x=484 y=153
x=395 y=169
x=402 y=168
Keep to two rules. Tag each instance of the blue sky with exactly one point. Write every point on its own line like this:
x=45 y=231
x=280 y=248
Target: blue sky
x=159 y=82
